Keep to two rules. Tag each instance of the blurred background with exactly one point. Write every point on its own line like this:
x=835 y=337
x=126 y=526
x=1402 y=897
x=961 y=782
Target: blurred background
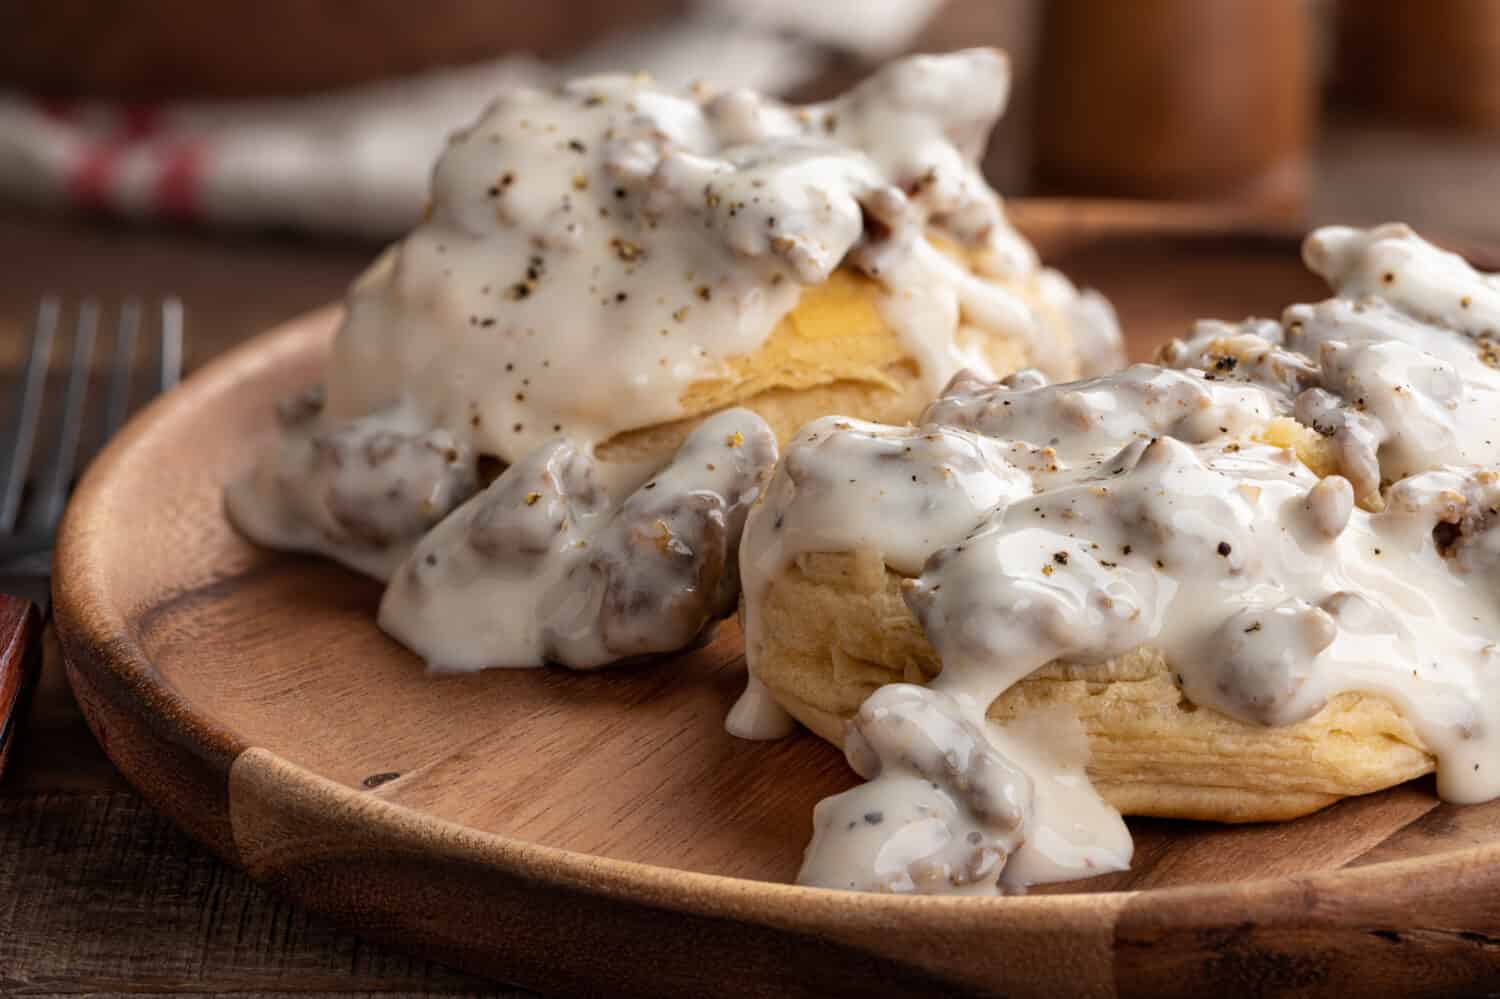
x=250 y=157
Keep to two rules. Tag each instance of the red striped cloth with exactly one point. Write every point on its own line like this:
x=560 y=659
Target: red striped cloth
x=354 y=161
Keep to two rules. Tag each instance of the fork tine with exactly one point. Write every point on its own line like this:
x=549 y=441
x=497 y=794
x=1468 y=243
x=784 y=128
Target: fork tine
x=171 y=342
x=117 y=401
x=28 y=411
x=58 y=477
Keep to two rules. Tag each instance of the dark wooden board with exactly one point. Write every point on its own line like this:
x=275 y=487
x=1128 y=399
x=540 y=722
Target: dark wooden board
x=599 y=832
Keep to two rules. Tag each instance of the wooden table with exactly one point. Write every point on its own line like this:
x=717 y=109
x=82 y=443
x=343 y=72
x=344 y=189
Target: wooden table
x=98 y=892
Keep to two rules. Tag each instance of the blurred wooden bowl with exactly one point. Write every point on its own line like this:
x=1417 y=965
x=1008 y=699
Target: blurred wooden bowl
x=1175 y=99
x=173 y=48
x=1430 y=63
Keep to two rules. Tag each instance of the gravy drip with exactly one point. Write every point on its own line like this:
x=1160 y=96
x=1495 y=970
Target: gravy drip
x=362 y=491
x=540 y=568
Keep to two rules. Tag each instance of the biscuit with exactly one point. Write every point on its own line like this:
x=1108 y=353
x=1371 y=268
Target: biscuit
x=834 y=353
x=834 y=628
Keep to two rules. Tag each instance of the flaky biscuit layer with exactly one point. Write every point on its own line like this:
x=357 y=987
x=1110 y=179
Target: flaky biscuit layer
x=833 y=354
x=833 y=628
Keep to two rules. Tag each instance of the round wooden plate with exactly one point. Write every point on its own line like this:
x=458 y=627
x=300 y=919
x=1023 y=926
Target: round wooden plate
x=599 y=832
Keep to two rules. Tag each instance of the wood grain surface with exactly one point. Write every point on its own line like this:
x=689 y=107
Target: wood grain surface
x=103 y=894
x=481 y=820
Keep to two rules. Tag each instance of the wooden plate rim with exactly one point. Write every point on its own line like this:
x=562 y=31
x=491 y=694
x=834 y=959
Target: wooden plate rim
x=104 y=661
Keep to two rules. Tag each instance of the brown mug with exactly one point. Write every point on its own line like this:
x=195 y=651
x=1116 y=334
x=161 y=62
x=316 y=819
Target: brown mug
x=1197 y=100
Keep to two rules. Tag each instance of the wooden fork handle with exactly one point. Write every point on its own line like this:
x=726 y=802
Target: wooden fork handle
x=20 y=659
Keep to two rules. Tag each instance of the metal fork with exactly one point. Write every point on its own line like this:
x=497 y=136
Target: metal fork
x=51 y=477
x=34 y=488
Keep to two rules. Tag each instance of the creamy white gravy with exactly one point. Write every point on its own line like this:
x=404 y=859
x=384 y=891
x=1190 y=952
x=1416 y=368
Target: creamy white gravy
x=364 y=490
x=540 y=568
x=596 y=249
x=1083 y=520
